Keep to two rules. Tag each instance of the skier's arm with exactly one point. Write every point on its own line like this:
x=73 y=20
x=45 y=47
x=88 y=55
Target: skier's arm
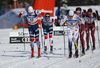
x=22 y=13
x=81 y=16
x=81 y=20
x=41 y=20
x=54 y=19
x=84 y=13
x=39 y=12
x=63 y=19
x=96 y=15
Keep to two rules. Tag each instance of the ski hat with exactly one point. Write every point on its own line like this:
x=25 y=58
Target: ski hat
x=71 y=13
x=30 y=9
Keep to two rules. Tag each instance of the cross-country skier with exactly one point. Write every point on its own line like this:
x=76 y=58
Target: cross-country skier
x=47 y=24
x=81 y=29
x=32 y=20
x=72 y=21
x=90 y=24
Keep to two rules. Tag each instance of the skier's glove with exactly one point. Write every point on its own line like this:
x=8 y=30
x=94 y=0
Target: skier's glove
x=96 y=12
x=21 y=12
x=56 y=20
x=84 y=10
x=62 y=16
x=81 y=15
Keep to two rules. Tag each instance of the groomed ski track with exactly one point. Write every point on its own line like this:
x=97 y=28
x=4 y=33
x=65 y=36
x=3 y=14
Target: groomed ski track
x=14 y=55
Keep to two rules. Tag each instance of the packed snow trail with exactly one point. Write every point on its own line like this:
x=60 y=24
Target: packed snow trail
x=14 y=56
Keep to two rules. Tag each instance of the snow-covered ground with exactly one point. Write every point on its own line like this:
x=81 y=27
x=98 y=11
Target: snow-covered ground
x=14 y=55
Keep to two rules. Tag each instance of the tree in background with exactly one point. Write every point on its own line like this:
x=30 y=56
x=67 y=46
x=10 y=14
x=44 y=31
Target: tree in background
x=79 y=2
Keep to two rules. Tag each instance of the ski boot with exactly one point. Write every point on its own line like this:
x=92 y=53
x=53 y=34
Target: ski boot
x=87 y=48
x=83 y=52
x=45 y=49
x=70 y=54
x=51 y=49
x=39 y=54
x=76 y=53
x=93 y=47
x=32 y=54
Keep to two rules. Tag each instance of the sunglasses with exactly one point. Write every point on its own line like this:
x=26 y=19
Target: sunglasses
x=78 y=13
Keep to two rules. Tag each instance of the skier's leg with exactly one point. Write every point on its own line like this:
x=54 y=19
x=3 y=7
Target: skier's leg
x=87 y=35
x=50 y=39
x=31 y=33
x=37 y=38
x=76 y=33
x=51 y=43
x=45 y=43
x=82 y=38
x=32 y=47
x=70 y=42
x=77 y=38
x=45 y=38
x=93 y=35
x=38 y=45
x=79 y=32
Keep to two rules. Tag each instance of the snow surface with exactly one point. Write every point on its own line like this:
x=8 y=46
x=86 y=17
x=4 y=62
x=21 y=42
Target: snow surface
x=14 y=55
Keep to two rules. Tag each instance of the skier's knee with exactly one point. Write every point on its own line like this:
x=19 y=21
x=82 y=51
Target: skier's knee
x=32 y=39
x=50 y=36
x=46 y=37
x=93 y=36
x=37 y=39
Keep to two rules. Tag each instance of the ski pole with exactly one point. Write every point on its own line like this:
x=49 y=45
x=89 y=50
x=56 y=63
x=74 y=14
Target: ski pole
x=98 y=33
x=64 y=39
x=91 y=44
x=80 y=43
x=23 y=32
x=41 y=32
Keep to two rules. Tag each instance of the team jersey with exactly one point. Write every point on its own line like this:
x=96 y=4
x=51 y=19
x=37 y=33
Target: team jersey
x=81 y=16
x=89 y=20
x=31 y=19
x=48 y=23
x=72 y=23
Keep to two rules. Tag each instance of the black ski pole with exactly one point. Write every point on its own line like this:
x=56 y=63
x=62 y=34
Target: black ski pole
x=64 y=39
x=80 y=42
x=98 y=34
x=23 y=32
x=41 y=32
x=97 y=27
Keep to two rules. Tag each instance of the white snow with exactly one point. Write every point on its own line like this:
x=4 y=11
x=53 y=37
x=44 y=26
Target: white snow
x=14 y=55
